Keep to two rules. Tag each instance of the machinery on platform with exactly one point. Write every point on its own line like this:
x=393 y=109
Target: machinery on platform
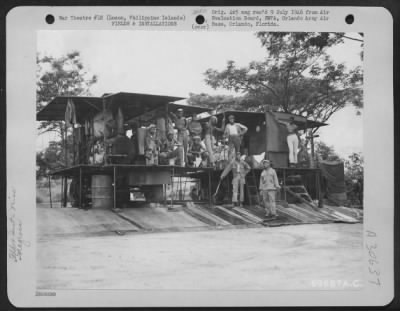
x=106 y=157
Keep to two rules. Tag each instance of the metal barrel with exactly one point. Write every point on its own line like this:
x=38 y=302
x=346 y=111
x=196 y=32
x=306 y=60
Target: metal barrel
x=102 y=191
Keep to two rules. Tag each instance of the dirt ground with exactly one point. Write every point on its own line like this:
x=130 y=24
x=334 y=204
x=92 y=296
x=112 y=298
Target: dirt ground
x=288 y=257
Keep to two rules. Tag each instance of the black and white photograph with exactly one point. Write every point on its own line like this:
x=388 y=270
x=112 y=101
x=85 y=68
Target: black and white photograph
x=214 y=161
x=199 y=156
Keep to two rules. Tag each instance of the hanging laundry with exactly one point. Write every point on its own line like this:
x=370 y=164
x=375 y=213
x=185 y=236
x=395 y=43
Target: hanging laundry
x=70 y=114
x=120 y=122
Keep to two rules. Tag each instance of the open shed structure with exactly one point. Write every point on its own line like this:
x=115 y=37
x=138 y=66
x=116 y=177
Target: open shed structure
x=107 y=166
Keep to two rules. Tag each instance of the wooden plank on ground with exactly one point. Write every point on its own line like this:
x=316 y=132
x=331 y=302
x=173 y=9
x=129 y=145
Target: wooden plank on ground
x=246 y=214
x=311 y=213
x=203 y=214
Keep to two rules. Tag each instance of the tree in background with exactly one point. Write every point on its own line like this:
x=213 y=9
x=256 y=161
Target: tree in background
x=354 y=177
x=226 y=101
x=59 y=77
x=298 y=76
x=325 y=152
x=51 y=158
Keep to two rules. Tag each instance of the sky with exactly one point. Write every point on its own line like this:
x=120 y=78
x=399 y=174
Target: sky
x=173 y=63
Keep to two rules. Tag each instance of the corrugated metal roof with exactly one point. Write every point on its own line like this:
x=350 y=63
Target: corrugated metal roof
x=133 y=105
x=248 y=116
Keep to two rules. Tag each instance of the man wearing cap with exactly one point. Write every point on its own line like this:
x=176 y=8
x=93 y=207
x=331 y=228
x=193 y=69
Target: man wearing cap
x=196 y=150
x=181 y=125
x=170 y=148
x=234 y=132
x=239 y=169
x=269 y=184
x=151 y=145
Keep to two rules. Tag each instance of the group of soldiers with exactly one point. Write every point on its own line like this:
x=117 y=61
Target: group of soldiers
x=194 y=140
x=268 y=185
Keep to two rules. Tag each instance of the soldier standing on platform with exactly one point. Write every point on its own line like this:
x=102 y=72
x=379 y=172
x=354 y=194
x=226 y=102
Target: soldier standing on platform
x=194 y=127
x=210 y=128
x=151 y=146
x=234 y=132
x=292 y=141
x=181 y=125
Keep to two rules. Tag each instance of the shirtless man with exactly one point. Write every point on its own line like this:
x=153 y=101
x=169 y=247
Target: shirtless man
x=234 y=131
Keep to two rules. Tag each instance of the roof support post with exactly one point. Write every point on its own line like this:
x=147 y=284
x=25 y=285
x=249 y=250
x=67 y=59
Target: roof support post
x=312 y=162
x=64 y=137
x=166 y=119
x=80 y=187
x=104 y=130
x=209 y=189
x=266 y=111
x=51 y=203
x=115 y=187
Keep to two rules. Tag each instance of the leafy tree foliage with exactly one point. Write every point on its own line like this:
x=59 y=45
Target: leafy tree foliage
x=355 y=166
x=298 y=76
x=52 y=158
x=60 y=77
x=325 y=152
x=354 y=177
x=225 y=102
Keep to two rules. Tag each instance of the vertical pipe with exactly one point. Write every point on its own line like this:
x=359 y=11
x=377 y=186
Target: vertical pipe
x=209 y=189
x=165 y=194
x=266 y=111
x=228 y=185
x=92 y=138
x=284 y=184
x=319 y=196
x=65 y=190
x=312 y=158
x=115 y=186
x=80 y=187
x=172 y=187
x=61 y=190
x=166 y=118
x=74 y=149
x=51 y=204
x=104 y=131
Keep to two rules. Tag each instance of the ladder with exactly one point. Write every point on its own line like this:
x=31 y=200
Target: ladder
x=252 y=189
x=295 y=187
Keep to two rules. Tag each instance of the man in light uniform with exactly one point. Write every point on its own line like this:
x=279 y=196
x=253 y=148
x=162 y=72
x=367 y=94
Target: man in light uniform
x=239 y=169
x=234 y=132
x=269 y=184
x=292 y=141
x=181 y=125
x=151 y=145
